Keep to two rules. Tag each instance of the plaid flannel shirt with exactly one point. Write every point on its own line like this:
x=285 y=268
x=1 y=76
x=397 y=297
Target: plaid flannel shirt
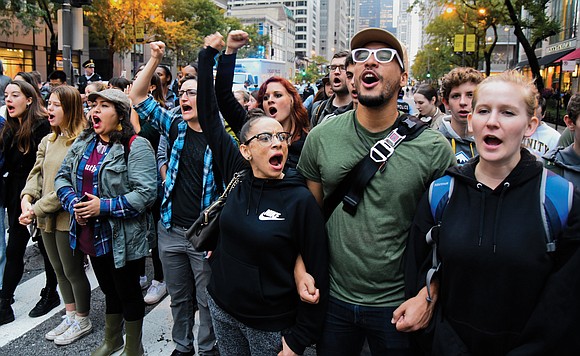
x=117 y=207
x=161 y=119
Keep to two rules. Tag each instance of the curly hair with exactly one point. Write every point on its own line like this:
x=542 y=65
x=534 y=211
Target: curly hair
x=573 y=109
x=22 y=130
x=458 y=76
x=74 y=120
x=298 y=114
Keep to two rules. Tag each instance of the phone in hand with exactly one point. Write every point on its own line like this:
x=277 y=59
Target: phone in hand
x=84 y=198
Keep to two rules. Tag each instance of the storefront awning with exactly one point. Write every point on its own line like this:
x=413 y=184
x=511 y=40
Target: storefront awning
x=551 y=58
x=522 y=64
x=570 y=56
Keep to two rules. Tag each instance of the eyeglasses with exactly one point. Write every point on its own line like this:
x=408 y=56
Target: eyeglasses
x=382 y=55
x=340 y=67
x=265 y=138
x=188 y=92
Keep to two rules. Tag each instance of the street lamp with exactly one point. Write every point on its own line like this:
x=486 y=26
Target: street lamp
x=464 y=19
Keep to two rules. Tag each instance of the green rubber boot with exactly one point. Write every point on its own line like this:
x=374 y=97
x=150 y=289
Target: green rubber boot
x=113 y=335
x=133 y=334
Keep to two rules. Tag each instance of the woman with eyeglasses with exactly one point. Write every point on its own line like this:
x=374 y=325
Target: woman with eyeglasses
x=276 y=96
x=270 y=217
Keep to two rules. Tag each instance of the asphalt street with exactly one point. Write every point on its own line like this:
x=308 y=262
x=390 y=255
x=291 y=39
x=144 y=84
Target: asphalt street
x=25 y=336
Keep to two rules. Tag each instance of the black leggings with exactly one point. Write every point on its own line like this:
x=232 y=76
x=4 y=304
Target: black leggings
x=120 y=286
x=16 y=247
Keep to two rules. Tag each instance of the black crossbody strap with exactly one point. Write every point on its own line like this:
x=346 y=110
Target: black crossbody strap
x=351 y=189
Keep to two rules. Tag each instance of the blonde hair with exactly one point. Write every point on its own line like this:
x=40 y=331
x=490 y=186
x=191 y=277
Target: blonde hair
x=528 y=89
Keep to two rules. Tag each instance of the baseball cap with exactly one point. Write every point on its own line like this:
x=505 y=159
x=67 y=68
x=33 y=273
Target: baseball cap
x=373 y=34
x=114 y=96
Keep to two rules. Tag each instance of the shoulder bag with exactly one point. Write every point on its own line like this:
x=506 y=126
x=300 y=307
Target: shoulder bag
x=204 y=232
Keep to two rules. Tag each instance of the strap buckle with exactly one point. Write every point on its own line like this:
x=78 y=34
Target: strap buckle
x=383 y=149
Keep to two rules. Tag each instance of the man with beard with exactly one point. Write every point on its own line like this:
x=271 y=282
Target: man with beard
x=366 y=249
x=190 y=186
x=340 y=101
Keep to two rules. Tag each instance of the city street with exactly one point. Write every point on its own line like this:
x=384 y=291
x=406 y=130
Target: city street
x=25 y=335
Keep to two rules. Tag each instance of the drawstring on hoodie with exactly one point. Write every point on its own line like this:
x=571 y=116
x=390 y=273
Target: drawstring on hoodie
x=506 y=185
x=482 y=215
x=250 y=197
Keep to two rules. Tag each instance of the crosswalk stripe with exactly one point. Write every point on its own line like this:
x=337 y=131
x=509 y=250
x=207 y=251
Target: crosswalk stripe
x=157 y=323
x=26 y=296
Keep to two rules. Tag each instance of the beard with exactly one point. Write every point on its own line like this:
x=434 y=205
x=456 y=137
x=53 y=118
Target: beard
x=343 y=90
x=390 y=89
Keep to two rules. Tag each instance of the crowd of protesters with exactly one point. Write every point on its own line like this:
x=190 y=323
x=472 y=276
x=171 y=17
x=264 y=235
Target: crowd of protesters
x=333 y=237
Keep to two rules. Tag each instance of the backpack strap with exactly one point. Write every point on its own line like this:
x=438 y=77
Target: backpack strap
x=351 y=189
x=440 y=192
x=556 y=195
x=128 y=147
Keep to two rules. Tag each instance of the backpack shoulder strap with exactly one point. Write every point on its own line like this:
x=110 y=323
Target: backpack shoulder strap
x=128 y=147
x=439 y=194
x=556 y=195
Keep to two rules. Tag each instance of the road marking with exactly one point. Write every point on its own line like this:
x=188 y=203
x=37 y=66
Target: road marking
x=26 y=296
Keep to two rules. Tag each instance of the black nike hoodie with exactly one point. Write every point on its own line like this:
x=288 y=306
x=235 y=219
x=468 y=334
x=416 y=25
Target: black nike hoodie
x=264 y=225
x=500 y=291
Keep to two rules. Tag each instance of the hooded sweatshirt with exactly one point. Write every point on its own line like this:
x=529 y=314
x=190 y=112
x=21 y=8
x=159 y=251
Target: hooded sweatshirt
x=463 y=148
x=500 y=291
x=565 y=162
x=264 y=225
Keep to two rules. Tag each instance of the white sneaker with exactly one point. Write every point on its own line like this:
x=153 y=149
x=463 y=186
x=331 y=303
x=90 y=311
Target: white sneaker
x=156 y=291
x=143 y=282
x=61 y=328
x=73 y=333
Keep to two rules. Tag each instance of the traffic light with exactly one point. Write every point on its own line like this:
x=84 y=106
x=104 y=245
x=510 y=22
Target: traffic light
x=428 y=74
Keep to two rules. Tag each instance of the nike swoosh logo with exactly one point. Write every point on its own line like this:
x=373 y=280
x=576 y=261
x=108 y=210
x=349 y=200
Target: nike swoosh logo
x=264 y=217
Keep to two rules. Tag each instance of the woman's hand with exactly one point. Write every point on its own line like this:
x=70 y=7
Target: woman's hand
x=305 y=283
x=236 y=40
x=88 y=209
x=215 y=41
x=286 y=350
x=27 y=214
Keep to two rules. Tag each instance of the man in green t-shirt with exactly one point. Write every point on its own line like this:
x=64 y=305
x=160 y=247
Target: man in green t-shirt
x=366 y=250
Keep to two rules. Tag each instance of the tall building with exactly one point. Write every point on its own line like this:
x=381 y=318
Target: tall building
x=305 y=13
x=352 y=18
x=333 y=27
x=377 y=13
x=278 y=23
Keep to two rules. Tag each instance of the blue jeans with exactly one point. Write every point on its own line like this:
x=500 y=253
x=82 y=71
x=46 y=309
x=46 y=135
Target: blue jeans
x=2 y=244
x=348 y=325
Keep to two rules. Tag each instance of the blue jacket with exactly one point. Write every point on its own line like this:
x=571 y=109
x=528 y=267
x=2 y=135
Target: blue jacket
x=126 y=188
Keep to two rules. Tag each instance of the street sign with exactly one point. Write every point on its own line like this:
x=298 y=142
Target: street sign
x=458 y=44
x=568 y=66
x=470 y=43
x=140 y=31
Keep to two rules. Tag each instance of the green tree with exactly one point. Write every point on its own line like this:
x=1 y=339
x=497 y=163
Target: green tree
x=31 y=14
x=540 y=26
x=258 y=43
x=432 y=62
